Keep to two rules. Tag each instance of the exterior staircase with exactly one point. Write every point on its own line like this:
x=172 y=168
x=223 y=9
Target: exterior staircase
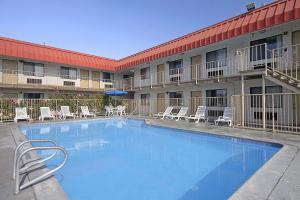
x=283 y=79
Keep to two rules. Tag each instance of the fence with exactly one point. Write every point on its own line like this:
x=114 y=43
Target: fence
x=276 y=112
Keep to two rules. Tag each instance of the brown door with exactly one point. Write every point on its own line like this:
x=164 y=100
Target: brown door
x=84 y=78
x=96 y=79
x=161 y=102
x=296 y=42
x=196 y=100
x=10 y=72
x=196 y=67
x=160 y=73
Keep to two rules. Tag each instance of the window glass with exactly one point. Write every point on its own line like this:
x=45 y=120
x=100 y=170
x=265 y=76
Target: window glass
x=216 y=98
x=174 y=66
x=258 y=51
x=28 y=68
x=68 y=73
x=145 y=73
x=39 y=69
x=216 y=58
x=72 y=73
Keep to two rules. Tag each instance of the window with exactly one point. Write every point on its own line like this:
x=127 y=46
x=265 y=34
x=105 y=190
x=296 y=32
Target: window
x=216 y=58
x=256 y=100
x=175 y=67
x=145 y=99
x=258 y=50
x=33 y=69
x=33 y=95
x=68 y=73
x=107 y=77
x=145 y=73
x=216 y=98
x=175 y=98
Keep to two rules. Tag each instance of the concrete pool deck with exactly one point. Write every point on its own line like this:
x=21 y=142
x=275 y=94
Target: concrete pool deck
x=279 y=178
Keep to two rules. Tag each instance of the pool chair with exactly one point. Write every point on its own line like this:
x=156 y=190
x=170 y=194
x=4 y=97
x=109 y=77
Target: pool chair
x=85 y=112
x=181 y=114
x=65 y=112
x=46 y=113
x=121 y=110
x=199 y=115
x=109 y=110
x=226 y=118
x=163 y=115
x=21 y=114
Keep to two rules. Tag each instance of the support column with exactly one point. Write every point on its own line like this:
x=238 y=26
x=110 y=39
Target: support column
x=243 y=100
x=264 y=101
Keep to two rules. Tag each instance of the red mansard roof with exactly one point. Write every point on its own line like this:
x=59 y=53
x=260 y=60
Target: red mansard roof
x=275 y=13
x=20 y=49
x=269 y=15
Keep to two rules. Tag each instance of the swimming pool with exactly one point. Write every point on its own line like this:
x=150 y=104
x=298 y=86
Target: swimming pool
x=126 y=159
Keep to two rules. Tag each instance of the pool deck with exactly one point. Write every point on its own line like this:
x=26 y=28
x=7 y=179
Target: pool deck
x=279 y=178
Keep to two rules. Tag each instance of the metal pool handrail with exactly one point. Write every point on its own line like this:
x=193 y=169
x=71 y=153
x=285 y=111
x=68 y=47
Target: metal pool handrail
x=41 y=177
x=34 y=163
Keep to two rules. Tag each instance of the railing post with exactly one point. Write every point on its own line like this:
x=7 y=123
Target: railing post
x=151 y=81
x=273 y=59
x=273 y=112
x=178 y=78
x=243 y=101
x=218 y=70
x=196 y=74
x=264 y=102
x=266 y=59
x=140 y=83
x=131 y=83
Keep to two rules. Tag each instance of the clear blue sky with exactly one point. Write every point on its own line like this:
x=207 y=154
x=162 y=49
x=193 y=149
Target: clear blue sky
x=111 y=28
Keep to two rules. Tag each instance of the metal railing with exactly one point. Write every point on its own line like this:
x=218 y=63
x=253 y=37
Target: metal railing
x=276 y=112
x=34 y=79
x=20 y=170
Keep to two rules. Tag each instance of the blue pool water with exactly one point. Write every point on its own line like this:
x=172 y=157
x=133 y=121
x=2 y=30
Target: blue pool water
x=117 y=160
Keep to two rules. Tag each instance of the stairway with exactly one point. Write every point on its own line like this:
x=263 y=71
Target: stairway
x=283 y=79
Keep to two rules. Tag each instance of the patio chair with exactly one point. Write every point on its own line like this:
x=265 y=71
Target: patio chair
x=121 y=110
x=21 y=114
x=46 y=113
x=162 y=115
x=226 y=118
x=181 y=114
x=65 y=112
x=109 y=110
x=85 y=112
x=199 y=115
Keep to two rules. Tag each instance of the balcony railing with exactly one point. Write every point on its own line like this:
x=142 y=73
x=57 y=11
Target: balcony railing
x=33 y=79
x=258 y=57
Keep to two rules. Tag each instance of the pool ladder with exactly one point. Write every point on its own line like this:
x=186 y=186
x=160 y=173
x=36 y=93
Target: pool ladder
x=17 y=170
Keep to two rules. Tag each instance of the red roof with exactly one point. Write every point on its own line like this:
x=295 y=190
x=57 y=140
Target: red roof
x=26 y=50
x=275 y=13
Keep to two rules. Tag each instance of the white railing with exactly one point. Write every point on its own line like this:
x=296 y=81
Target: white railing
x=23 y=78
x=276 y=112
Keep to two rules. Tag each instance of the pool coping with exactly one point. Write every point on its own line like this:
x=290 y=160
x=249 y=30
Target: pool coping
x=260 y=185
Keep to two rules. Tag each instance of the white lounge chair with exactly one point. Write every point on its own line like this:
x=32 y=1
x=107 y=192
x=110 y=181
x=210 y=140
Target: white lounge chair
x=167 y=112
x=109 y=110
x=65 y=112
x=46 y=113
x=21 y=114
x=181 y=114
x=199 y=115
x=226 y=118
x=121 y=110
x=85 y=112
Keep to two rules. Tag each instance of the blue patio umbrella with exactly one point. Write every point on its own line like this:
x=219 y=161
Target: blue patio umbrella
x=116 y=93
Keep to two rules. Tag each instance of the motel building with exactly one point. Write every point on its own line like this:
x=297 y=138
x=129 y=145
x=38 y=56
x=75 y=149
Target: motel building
x=250 y=62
